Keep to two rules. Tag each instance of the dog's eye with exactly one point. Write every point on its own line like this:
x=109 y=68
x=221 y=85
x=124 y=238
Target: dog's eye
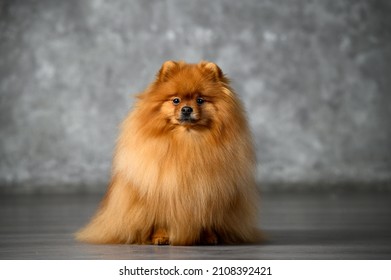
x=200 y=101
x=176 y=101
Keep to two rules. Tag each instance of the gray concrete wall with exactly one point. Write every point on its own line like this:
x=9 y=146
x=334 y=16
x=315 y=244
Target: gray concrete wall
x=314 y=77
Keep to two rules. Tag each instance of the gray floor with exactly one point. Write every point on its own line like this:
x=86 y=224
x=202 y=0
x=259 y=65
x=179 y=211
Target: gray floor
x=299 y=226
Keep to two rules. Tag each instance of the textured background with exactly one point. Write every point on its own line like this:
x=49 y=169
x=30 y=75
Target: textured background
x=314 y=77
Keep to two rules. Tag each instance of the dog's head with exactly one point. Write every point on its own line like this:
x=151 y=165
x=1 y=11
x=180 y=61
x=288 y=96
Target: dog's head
x=190 y=94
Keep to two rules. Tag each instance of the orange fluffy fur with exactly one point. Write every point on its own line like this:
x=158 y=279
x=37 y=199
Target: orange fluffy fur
x=181 y=179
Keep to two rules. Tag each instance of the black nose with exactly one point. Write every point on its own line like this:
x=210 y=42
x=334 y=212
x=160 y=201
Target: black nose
x=186 y=110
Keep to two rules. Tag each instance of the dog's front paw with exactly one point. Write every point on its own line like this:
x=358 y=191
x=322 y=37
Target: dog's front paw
x=161 y=241
x=160 y=237
x=209 y=238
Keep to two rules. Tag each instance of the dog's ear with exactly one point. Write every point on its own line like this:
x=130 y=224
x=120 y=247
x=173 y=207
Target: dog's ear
x=167 y=70
x=212 y=69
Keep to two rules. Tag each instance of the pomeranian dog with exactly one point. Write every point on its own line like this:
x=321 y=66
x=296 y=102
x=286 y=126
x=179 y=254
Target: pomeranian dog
x=183 y=167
